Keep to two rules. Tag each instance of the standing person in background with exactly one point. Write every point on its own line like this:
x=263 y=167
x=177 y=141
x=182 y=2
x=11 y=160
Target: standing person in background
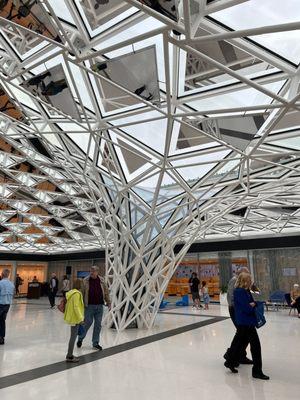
x=65 y=285
x=7 y=290
x=205 y=295
x=245 y=319
x=53 y=288
x=295 y=298
x=194 y=287
x=19 y=282
x=95 y=295
x=74 y=316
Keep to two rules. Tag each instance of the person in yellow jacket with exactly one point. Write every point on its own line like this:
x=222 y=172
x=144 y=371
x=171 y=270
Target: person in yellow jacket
x=74 y=316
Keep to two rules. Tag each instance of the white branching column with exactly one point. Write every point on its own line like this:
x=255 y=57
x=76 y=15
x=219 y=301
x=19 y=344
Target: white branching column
x=140 y=256
x=138 y=280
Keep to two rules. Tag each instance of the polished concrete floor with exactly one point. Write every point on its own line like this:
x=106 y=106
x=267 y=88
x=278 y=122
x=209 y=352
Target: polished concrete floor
x=180 y=358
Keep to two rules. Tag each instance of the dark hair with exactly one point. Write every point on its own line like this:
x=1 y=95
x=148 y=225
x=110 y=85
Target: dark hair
x=194 y=274
x=203 y=283
x=65 y=277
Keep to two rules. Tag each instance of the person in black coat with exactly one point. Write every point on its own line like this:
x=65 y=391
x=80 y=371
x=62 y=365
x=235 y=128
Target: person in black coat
x=245 y=319
x=18 y=283
x=53 y=288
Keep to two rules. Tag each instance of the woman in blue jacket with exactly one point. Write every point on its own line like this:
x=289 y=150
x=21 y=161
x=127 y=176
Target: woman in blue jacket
x=246 y=328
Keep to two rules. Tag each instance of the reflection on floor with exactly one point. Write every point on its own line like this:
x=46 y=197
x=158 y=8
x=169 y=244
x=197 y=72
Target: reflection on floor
x=185 y=366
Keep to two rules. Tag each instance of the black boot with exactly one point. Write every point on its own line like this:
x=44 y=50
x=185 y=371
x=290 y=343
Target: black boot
x=227 y=357
x=260 y=375
x=246 y=361
x=227 y=364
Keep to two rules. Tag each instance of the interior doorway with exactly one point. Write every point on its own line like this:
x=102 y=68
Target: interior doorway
x=27 y=272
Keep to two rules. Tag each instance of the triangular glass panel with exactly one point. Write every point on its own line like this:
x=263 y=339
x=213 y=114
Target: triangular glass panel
x=147 y=189
x=138 y=233
x=169 y=188
x=194 y=168
x=154 y=233
x=229 y=171
x=180 y=213
x=110 y=186
x=136 y=214
x=166 y=211
x=150 y=133
x=236 y=99
x=203 y=195
x=133 y=158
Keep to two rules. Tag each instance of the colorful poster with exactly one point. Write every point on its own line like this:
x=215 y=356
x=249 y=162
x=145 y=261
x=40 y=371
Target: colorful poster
x=289 y=271
x=209 y=270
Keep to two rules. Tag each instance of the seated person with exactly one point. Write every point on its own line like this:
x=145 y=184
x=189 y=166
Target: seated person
x=295 y=298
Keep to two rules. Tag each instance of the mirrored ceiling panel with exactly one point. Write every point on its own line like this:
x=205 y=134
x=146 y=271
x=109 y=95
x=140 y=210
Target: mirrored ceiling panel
x=52 y=87
x=235 y=131
x=200 y=73
x=136 y=72
x=168 y=8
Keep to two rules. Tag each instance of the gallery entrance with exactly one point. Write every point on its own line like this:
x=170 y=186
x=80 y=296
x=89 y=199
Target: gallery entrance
x=29 y=273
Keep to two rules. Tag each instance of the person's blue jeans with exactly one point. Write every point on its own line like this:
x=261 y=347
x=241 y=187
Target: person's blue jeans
x=92 y=313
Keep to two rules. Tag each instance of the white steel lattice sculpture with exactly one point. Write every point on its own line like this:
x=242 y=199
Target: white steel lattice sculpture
x=141 y=126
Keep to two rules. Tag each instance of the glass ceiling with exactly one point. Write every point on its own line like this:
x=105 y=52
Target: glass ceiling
x=176 y=118
x=257 y=13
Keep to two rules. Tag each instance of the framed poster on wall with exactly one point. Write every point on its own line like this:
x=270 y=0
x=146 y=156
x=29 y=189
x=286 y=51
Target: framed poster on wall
x=82 y=274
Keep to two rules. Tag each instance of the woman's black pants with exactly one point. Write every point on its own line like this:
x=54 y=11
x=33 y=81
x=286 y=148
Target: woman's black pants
x=246 y=334
x=297 y=305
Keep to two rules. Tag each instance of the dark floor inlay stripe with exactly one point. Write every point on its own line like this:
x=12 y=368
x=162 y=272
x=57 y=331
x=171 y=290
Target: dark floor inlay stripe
x=36 y=373
x=190 y=314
